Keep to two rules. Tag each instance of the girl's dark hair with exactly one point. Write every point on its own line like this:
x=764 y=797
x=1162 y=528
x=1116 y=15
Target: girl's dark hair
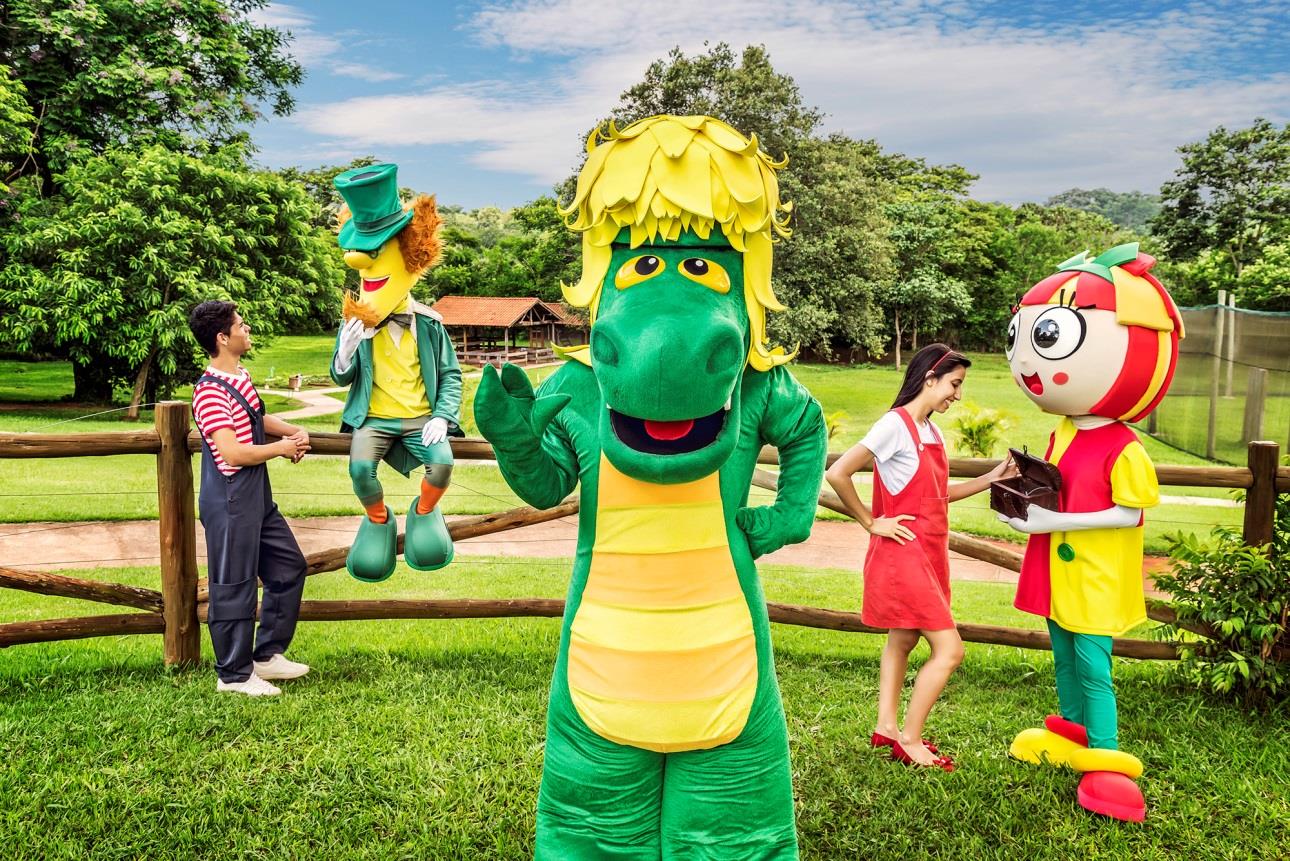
x=935 y=359
x=209 y=319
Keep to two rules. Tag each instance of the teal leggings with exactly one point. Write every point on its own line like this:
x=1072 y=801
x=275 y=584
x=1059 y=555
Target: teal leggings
x=372 y=441
x=1084 y=689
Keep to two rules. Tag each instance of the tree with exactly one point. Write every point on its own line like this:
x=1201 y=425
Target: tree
x=750 y=95
x=108 y=275
x=830 y=271
x=526 y=251
x=101 y=73
x=1131 y=209
x=1265 y=284
x=16 y=127
x=1231 y=194
x=921 y=294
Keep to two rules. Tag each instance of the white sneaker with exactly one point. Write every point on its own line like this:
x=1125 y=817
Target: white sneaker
x=278 y=667
x=252 y=687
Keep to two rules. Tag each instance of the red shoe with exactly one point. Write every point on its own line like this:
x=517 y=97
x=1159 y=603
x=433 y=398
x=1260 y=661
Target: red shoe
x=1067 y=729
x=944 y=763
x=880 y=740
x=1113 y=795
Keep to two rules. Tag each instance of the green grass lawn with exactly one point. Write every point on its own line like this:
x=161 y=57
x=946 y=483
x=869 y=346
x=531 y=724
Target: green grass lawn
x=74 y=489
x=421 y=739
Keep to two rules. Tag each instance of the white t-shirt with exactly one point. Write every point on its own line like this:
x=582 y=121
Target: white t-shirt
x=894 y=450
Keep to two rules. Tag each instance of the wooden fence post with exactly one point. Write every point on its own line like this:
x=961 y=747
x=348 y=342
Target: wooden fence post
x=1261 y=498
x=1256 y=393
x=177 y=528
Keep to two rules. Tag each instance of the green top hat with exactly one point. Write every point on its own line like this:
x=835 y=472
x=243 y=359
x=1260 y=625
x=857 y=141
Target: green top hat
x=372 y=194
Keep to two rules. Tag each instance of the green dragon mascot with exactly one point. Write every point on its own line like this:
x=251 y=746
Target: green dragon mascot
x=666 y=735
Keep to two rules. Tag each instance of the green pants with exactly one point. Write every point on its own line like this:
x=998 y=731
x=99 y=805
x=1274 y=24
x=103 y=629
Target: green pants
x=372 y=442
x=603 y=801
x=1085 y=692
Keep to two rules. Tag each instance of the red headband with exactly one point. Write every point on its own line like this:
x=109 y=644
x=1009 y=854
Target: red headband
x=947 y=354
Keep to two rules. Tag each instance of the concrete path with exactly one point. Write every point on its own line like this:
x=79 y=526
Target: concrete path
x=50 y=546
x=317 y=402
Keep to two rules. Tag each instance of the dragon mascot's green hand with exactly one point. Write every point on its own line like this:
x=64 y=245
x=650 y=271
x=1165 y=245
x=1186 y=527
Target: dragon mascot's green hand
x=665 y=733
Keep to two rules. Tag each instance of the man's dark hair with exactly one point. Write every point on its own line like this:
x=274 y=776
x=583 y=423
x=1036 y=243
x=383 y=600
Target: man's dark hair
x=209 y=319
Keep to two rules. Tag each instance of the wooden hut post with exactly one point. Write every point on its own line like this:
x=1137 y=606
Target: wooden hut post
x=177 y=530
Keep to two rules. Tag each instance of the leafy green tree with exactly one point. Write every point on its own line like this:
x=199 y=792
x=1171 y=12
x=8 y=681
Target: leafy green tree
x=320 y=184
x=829 y=274
x=1265 y=284
x=1131 y=209
x=744 y=91
x=102 y=73
x=108 y=274
x=16 y=127
x=1232 y=194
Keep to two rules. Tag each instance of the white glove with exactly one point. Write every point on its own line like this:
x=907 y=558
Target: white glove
x=352 y=333
x=434 y=432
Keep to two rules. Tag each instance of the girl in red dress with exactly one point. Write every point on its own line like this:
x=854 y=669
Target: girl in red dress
x=907 y=571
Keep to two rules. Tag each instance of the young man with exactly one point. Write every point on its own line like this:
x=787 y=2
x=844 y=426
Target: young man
x=246 y=536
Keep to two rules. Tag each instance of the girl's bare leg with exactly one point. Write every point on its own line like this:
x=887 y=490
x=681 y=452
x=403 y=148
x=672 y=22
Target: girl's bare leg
x=947 y=654
x=891 y=679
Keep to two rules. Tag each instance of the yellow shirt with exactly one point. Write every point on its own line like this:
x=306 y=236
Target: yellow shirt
x=1099 y=591
x=398 y=391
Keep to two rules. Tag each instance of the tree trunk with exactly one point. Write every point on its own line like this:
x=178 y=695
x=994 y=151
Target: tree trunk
x=140 y=385
x=896 y=314
x=93 y=384
x=914 y=346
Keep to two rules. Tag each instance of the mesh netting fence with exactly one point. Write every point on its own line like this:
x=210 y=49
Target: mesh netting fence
x=1232 y=384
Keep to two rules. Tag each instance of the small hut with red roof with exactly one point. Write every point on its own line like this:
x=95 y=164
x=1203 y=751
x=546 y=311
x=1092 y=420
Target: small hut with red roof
x=496 y=329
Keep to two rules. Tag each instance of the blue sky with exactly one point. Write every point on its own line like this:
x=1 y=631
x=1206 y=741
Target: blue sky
x=487 y=103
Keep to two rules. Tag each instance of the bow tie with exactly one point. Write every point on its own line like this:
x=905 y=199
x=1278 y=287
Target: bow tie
x=404 y=320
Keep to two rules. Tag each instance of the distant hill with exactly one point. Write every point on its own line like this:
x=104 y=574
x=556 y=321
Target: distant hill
x=1131 y=209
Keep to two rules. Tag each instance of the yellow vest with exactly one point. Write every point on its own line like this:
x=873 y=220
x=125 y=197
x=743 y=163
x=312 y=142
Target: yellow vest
x=398 y=390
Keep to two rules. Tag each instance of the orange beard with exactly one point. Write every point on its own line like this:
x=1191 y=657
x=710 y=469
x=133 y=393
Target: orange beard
x=355 y=309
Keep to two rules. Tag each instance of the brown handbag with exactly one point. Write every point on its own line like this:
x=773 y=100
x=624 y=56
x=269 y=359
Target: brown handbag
x=1039 y=483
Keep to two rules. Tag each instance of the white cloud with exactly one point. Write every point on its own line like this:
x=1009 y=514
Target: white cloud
x=1033 y=106
x=311 y=48
x=365 y=73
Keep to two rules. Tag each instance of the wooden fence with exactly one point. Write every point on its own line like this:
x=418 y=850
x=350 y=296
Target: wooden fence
x=177 y=610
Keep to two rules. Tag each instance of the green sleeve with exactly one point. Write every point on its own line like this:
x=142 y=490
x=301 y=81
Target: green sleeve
x=794 y=423
x=447 y=402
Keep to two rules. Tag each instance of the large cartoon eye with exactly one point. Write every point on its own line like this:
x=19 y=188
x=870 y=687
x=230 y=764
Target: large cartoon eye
x=1012 y=338
x=638 y=269
x=1057 y=333
x=707 y=273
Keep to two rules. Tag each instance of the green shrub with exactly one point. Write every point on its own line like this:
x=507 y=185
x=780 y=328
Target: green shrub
x=1241 y=594
x=979 y=430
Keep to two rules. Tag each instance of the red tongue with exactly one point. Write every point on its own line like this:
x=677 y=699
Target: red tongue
x=668 y=430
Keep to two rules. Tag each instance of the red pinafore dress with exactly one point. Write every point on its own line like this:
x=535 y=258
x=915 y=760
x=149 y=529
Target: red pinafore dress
x=908 y=586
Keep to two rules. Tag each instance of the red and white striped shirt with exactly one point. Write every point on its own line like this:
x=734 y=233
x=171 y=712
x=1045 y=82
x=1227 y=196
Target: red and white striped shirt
x=215 y=408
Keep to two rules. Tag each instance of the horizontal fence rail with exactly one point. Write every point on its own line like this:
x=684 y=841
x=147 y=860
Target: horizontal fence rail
x=177 y=610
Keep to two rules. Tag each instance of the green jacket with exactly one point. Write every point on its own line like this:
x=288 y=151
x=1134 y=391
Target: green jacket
x=439 y=371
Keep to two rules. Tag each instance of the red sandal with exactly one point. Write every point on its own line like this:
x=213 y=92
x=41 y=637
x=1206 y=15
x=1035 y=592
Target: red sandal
x=944 y=763
x=880 y=740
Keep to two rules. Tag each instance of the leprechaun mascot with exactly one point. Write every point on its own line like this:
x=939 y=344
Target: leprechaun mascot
x=401 y=369
x=1096 y=344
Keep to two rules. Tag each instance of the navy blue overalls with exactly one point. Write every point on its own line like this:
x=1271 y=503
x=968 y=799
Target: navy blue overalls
x=247 y=538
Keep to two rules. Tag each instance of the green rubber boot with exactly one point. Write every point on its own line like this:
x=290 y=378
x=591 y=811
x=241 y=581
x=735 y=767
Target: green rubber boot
x=372 y=555
x=427 y=545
